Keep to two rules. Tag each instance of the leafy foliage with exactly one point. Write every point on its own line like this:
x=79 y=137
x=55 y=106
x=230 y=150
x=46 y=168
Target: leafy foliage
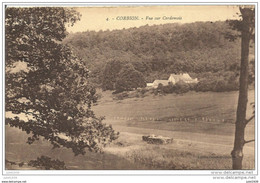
x=43 y=162
x=52 y=90
x=218 y=82
x=158 y=50
x=239 y=25
x=47 y=163
x=110 y=75
x=129 y=79
x=20 y=164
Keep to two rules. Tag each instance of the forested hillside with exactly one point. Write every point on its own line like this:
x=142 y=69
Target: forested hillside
x=156 y=51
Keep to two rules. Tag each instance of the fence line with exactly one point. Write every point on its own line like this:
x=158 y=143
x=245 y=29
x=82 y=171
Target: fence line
x=171 y=119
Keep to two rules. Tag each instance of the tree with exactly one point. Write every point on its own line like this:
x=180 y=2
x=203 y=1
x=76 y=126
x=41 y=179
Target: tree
x=246 y=26
x=156 y=50
x=52 y=90
x=129 y=79
x=110 y=74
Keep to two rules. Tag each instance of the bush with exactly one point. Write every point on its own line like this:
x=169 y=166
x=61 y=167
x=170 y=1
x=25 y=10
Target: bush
x=142 y=91
x=218 y=82
x=181 y=87
x=168 y=89
x=121 y=96
x=221 y=85
x=205 y=85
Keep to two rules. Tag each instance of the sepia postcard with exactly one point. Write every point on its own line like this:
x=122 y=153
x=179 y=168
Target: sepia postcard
x=129 y=89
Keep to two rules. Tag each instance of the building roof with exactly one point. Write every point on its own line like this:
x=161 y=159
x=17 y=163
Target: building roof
x=163 y=82
x=183 y=77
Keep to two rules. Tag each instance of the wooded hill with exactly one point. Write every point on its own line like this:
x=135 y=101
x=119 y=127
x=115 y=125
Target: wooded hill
x=156 y=51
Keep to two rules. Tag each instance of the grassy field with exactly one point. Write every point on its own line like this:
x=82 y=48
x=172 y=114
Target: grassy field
x=200 y=144
x=220 y=105
x=143 y=112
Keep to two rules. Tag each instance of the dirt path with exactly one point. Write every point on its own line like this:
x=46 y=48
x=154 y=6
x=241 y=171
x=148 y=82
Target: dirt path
x=194 y=142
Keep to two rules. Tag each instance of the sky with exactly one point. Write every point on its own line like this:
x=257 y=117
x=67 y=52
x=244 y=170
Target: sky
x=110 y=18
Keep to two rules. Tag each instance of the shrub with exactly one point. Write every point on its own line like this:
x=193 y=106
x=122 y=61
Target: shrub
x=168 y=89
x=221 y=85
x=181 y=87
x=121 y=96
x=218 y=82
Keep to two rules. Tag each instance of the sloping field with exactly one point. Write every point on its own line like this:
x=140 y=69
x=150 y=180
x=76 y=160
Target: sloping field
x=212 y=140
x=199 y=144
x=215 y=113
x=220 y=105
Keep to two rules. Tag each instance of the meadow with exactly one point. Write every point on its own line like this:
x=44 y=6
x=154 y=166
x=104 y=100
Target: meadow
x=201 y=124
x=207 y=113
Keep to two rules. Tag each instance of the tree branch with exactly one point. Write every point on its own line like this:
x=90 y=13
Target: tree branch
x=247 y=141
x=247 y=121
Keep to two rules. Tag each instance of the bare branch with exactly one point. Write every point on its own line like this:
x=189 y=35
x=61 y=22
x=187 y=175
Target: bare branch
x=247 y=121
x=247 y=141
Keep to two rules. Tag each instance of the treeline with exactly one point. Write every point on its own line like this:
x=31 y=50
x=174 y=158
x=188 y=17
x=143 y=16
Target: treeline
x=217 y=82
x=156 y=51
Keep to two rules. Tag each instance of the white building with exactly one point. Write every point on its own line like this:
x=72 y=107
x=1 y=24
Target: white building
x=174 y=78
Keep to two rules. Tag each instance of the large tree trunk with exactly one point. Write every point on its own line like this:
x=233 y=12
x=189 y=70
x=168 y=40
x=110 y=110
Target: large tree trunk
x=237 y=153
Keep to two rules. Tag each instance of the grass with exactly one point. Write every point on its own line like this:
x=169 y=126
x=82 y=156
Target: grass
x=180 y=155
x=197 y=145
x=202 y=145
x=157 y=157
x=209 y=104
x=212 y=105
x=17 y=150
